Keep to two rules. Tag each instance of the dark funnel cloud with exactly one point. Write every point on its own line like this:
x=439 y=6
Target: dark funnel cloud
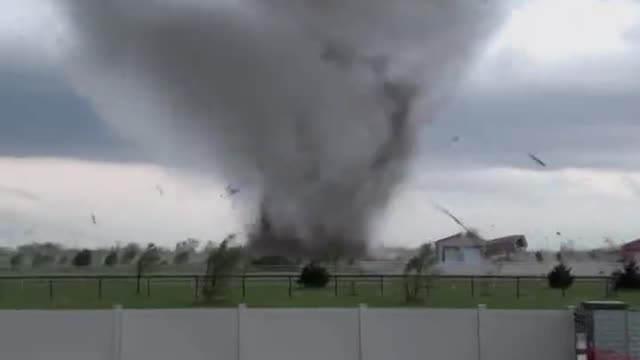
x=313 y=104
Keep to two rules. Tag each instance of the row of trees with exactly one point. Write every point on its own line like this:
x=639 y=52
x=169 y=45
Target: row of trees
x=51 y=254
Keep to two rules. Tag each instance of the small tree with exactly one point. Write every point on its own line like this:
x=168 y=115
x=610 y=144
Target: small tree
x=221 y=263
x=149 y=258
x=17 y=260
x=418 y=272
x=560 y=278
x=314 y=276
x=111 y=259
x=629 y=278
x=181 y=258
x=129 y=253
x=82 y=258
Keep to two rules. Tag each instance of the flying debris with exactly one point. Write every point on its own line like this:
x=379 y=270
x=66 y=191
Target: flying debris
x=93 y=219
x=537 y=160
x=455 y=139
x=160 y=190
x=231 y=190
x=454 y=218
x=558 y=233
x=20 y=193
x=30 y=231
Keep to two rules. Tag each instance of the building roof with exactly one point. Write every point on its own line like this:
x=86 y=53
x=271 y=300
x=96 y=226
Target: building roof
x=506 y=244
x=468 y=236
x=632 y=246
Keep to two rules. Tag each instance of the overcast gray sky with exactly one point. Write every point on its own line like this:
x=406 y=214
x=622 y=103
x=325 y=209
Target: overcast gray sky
x=562 y=81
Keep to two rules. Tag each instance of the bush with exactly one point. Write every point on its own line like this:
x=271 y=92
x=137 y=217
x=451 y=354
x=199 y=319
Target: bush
x=82 y=258
x=560 y=277
x=627 y=279
x=111 y=259
x=314 y=276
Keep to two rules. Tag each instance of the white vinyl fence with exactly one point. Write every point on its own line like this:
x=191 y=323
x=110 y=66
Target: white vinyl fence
x=287 y=334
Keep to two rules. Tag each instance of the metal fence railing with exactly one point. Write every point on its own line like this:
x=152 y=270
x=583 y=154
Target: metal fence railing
x=29 y=289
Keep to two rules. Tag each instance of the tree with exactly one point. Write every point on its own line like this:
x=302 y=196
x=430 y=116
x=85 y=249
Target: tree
x=129 y=253
x=82 y=258
x=40 y=260
x=112 y=258
x=149 y=258
x=418 y=272
x=181 y=258
x=221 y=263
x=539 y=256
x=314 y=276
x=629 y=278
x=560 y=278
x=17 y=260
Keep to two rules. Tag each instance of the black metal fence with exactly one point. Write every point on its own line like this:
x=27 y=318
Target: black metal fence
x=473 y=286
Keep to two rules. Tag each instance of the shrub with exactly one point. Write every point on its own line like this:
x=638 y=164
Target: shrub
x=560 y=278
x=82 y=258
x=627 y=279
x=111 y=259
x=314 y=276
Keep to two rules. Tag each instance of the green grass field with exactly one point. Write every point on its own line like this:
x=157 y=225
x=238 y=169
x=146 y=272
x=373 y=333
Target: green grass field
x=169 y=293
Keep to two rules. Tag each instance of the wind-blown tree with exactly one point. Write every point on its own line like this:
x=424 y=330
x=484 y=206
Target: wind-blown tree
x=82 y=258
x=129 y=253
x=112 y=258
x=16 y=261
x=149 y=258
x=419 y=272
x=222 y=262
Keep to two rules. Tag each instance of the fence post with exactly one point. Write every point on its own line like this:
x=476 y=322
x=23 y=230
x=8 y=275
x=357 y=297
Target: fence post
x=473 y=285
x=480 y=313
x=606 y=287
x=148 y=287
x=335 y=285
x=100 y=288
x=138 y=285
x=117 y=333
x=50 y=289
x=290 y=287
x=361 y=314
x=244 y=286
x=382 y=285
x=518 y=287
x=197 y=289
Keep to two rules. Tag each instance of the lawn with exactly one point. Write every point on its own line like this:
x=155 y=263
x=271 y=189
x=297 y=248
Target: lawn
x=266 y=292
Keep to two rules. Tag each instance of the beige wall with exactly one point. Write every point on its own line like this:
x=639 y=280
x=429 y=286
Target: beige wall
x=286 y=334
